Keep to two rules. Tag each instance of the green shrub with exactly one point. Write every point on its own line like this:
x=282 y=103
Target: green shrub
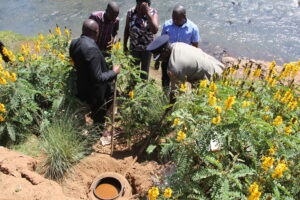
x=254 y=124
x=33 y=86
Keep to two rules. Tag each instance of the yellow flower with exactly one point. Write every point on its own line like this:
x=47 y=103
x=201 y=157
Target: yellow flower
x=153 y=193
x=203 y=83
x=47 y=46
x=272 y=150
x=277 y=96
x=33 y=57
x=213 y=86
x=229 y=102
x=37 y=48
x=2 y=118
x=267 y=108
x=118 y=46
x=212 y=100
x=2 y=108
x=176 y=122
x=57 y=30
x=254 y=192
x=266 y=117
x=180 y=136
x=13 y=77
x=67 y=32
x=218 y=109
x=216 y=120
x=183 y=87
x=131 y=94
x=41 y=37
x=247 y=94
x=21 y=59
x=294 y=120
x=272 y=81
x=2 y=81
x=61 y=56
x=280 y=168
x=54 y=51
x=225 y=83
x=168 y=193
x=257 y=72
x=246 y=104
x=267 y=163
x=277 y=121
x=288 y=130
x=272 y=65
x=5 y=51
x=232 y=70
x=292 y=105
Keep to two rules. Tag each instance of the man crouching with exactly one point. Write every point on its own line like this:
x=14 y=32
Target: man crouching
x=94 y=79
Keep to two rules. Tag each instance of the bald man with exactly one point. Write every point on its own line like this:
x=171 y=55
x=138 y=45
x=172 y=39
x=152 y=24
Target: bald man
x=108 y=23
x=94 y=79
x=179 y=29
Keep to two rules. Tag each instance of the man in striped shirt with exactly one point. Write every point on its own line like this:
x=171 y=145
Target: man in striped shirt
x=108 y=22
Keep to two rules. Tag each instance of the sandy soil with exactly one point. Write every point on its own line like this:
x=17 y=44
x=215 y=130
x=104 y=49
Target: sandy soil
x=19 y=179
x=139 y=175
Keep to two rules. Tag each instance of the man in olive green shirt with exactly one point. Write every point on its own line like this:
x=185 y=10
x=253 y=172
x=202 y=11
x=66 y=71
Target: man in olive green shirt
x=185 y=62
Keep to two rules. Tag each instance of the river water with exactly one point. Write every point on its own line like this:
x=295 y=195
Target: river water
x=260 y=29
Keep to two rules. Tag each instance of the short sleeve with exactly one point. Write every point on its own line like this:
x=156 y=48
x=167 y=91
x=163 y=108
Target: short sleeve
x=196 y=35
x=163 y=31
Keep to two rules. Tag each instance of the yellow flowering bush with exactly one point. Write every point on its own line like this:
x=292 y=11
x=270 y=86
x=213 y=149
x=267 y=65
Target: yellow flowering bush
x=33 y=85
x=241 y=136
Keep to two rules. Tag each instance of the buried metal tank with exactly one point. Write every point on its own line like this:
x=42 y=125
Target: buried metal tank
x=110 y=186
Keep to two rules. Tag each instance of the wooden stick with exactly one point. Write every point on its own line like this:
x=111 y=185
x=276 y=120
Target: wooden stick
x=113 y=117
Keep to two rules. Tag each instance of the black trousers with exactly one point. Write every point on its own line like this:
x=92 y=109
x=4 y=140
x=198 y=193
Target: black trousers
x=165 y=79
x=143 y=58
x=99 y=105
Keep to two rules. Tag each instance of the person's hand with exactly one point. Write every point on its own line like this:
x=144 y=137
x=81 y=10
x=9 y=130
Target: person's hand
x=109 y=45
x=144 y=8
x=116 y=69
x=156 y=66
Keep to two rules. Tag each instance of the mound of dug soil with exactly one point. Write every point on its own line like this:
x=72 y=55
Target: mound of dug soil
x=19 y=181
x=77 y=183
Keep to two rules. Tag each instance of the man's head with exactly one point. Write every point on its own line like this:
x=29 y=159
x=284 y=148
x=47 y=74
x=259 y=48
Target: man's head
x=112 y=11
x=138 y=2
x=139 y=5
x=90 y=28
x=160 y=48
x=179 y=15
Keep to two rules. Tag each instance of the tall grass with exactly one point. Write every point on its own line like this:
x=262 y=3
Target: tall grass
x=62 y=146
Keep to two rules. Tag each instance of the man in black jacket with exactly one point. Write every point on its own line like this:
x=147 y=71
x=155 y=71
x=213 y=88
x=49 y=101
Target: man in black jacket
x=94 y=79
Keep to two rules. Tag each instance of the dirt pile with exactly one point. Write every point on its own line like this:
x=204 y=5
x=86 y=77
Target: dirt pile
x=77 y=183
x=18 y=179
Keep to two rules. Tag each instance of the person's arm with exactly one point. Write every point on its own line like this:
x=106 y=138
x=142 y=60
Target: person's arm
x=195 y=37
x=152 y=19
x=126 y=34
x=96 y=64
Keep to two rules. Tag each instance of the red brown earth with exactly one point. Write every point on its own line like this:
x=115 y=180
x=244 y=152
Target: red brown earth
x=19 y=179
